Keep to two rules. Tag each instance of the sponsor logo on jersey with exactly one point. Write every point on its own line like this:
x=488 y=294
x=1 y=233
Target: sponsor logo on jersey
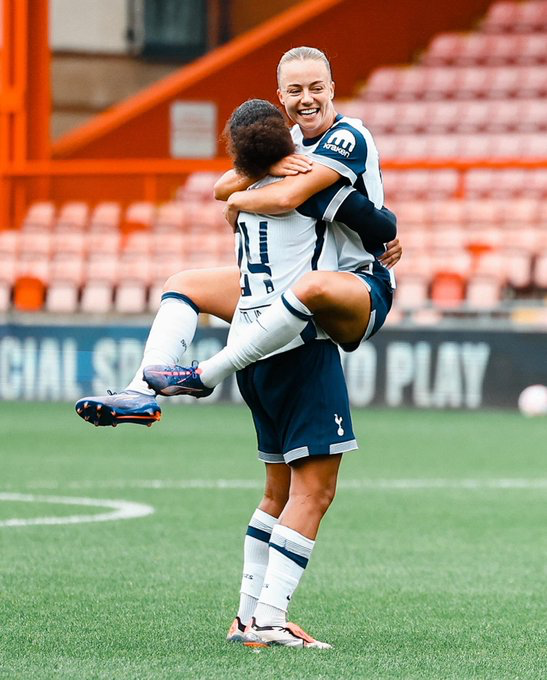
x=341 y=141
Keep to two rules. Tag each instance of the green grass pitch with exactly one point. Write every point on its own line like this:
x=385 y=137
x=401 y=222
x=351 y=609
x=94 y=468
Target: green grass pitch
x=430 y=564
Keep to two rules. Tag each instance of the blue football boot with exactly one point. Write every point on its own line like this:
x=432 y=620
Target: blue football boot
x=173 y=380
x=122 y=407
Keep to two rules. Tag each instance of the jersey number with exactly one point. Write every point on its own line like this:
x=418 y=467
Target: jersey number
x=263 y=266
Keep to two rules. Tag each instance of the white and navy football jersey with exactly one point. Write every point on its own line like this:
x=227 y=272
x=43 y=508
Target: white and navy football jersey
x=348 y=148
x=273 y=252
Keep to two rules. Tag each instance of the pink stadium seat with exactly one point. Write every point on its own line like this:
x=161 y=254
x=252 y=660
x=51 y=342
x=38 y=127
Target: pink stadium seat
x=103 y=242
x=138 y=243
x=62 y=297
x=412 y=292
x=383 y=83
x=73 y=216
x=8 y=267
x=134 y=267
x=105 y=216
x=33 y=265
x=519 y=268
x=69 y=243
x=97 y=297
x=102 y=267
x=204 y=217
x=5 y=296
x=9 y=241
x=198 y=187
x=170 y=217
x=164 y=266
x=154 y=296
x=491 y=264
x=447 y=212
x=35 y=243
x=516 y=17
x=130 y=298
x=39 y=216
x=139 y=215
x=540 y=271
x=452 y=237
x=67 y=267
x=483 y=292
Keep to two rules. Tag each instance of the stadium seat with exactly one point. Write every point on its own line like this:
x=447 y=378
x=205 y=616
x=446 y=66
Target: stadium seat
x=505 y=17
x=5 y=296
x=97 y=297
x=198 y=187
x=103 y=242
x=62 y=297
x=35 y=243
x=154 y=297
x=139 y=215
x=412 y=292
x=519 y=268
x=483 y=292
x=105 y=216
x=33 y=265
x=73 y=216
x=73 y=244
x=447 y=289
x=130 y=298
x=28 y=294
x=39 y=216
x=540 y=271
x=102 y=267
x=9 y=241
x=134 y=267
x=8 y=267
x=138 y=243
x=67 y=267
x=170 y=217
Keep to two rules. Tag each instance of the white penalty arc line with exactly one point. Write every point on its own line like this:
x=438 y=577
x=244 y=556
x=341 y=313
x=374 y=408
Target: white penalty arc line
x=355 y=484
x=118 y=510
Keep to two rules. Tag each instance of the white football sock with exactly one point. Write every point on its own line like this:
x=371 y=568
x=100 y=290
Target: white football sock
x=170 y=336
x=289 y=555
x=283 y=321
x=255 y=561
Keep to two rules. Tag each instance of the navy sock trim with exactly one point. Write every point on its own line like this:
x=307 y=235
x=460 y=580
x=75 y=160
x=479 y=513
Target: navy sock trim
x=259 y=534
x=292 y=310
x=183 y=298
x=301 y=561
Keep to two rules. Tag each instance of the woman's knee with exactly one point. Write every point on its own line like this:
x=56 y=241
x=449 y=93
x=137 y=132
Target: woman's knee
x=312 y=289
x=316 y=500
x=181 y=282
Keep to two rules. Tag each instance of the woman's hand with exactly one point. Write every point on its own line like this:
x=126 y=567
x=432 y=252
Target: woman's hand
x=230 y=215
x=290 y=165
x=392 y=255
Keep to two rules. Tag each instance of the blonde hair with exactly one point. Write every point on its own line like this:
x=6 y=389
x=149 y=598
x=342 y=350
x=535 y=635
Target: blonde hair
x=303 y=53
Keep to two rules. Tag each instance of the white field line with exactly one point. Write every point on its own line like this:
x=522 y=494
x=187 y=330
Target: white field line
x=351 y=484
x=118 y=510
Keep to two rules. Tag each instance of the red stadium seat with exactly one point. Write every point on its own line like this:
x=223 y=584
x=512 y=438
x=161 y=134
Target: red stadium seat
x=29 y=294
x=448 y=290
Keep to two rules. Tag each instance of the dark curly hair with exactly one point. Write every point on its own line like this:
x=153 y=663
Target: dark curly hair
x=257 y=137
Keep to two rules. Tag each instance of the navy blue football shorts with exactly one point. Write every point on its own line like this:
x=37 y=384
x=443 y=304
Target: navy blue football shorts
x=381 y=298
x=299 y=403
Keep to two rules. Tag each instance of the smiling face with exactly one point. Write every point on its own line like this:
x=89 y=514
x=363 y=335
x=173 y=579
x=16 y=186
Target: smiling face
x=306 y=91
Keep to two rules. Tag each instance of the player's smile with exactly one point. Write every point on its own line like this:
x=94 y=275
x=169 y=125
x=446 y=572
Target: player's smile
x=306 y=91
